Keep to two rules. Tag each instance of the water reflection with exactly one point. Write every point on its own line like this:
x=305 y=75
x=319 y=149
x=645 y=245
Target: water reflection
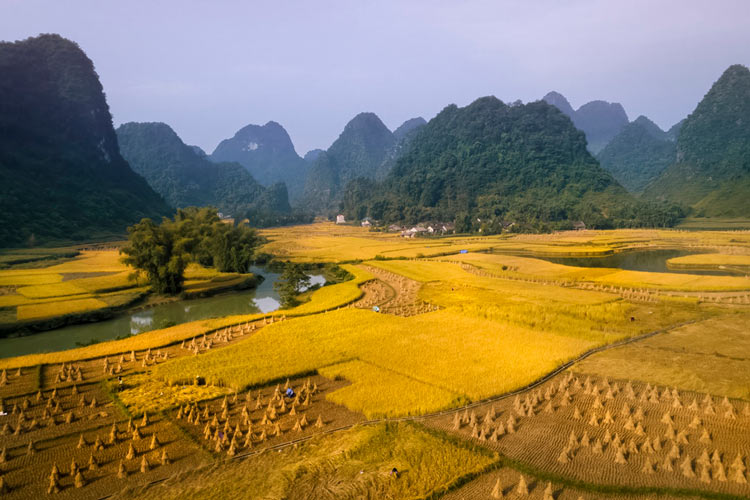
x=653 y=261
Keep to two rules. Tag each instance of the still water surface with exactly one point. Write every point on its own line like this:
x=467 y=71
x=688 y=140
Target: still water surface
x=653 y=261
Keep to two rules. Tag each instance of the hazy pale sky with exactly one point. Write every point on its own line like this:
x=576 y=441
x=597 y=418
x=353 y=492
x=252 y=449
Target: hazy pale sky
x=208 y=68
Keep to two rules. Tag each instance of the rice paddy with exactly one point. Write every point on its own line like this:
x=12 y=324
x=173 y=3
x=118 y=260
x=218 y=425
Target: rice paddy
x=94 y=281
x=422 y=333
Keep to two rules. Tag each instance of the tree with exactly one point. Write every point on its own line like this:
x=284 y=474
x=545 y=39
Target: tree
x=290 y=283
x=196 y=234
x=215 y=243
x=155 y=251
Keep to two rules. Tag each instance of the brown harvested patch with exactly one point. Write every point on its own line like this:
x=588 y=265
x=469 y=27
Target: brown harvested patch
x=619 y=437
x=393 y=294
x=58 y=442
x=215 y=428
x=506 y=480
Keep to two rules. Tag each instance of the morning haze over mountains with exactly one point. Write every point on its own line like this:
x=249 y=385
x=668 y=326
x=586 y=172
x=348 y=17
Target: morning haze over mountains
x=68 y=175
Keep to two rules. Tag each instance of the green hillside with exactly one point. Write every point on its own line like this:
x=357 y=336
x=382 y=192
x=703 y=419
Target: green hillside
x=638 y=154
x=62 y=177
x=358 y=152
x=185 y=178
x=712 y=169
x=489 y=163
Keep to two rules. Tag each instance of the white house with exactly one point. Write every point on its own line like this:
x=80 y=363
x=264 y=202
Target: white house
x=340 y=219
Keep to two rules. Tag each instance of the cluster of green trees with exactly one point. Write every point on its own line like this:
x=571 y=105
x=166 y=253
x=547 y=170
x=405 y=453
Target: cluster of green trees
x=163 y=251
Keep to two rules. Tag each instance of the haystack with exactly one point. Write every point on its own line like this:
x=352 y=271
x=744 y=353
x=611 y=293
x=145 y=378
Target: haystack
x=620 y=457
x=79 y=482
x=122 y=472
x=497 y=491
x=522 y=489
x=548 y=492
x=687 y=467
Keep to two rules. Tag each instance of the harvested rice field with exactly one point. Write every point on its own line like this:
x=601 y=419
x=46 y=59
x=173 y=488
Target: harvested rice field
x=474 y=375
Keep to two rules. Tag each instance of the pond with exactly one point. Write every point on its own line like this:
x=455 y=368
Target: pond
x=262 y=299
x=653 y=261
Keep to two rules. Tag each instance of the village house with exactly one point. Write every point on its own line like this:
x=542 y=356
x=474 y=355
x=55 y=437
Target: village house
x=431 y=229
x=340 y=219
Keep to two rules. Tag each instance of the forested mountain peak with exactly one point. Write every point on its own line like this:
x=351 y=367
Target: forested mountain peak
x=408 y=126
x=712 y=169
x=599 y=120
x=560 y=102
x=358 y=152
x=638 y=154
x=312 y=155
x=185 y=178
x=651 y=127
x=61 y=173
x=267 y=152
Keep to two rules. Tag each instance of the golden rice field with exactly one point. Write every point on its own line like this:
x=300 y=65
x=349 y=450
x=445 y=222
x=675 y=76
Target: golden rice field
x=535 y=269
x=95 y=280
x=711 y=260
x=456 y=329
x=488 y=337
x=335 y=243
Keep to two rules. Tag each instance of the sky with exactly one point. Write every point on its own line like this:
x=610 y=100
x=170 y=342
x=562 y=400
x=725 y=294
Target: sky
x=208 y=68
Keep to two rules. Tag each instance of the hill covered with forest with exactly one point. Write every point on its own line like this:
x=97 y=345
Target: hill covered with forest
x=268 y=154
x=185 y=177
x=62 y=177
x=358 y=152
x=638 y=154
x=711 y=172
x=490 y=164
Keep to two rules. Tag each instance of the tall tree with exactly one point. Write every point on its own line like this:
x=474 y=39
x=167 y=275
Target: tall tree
x=155 y=251
x=291 y=282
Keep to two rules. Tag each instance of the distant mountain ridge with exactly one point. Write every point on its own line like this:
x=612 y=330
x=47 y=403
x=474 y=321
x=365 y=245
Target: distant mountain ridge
x=638 y=154
x=61 y=173
x=601 y=121
x=184 y=176
x=711 y=173
x=268 y=154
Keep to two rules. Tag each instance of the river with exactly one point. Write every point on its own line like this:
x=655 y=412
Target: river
x=262 y=299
